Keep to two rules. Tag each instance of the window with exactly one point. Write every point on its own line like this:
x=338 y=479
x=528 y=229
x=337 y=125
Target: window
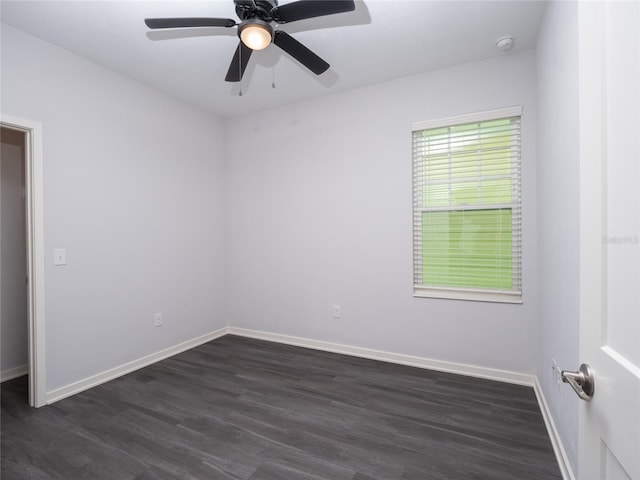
x=467 y=234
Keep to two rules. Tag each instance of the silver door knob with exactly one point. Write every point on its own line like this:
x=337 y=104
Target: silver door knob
x=581 y=381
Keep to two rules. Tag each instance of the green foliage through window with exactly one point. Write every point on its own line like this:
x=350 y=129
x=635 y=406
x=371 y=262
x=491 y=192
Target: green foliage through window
x=467 y=249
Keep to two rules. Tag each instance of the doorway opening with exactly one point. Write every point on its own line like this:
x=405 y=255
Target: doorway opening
x=23 y=265
x=14 y=352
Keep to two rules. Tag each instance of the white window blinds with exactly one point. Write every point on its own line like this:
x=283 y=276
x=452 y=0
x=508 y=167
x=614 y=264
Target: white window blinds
x=467 y=218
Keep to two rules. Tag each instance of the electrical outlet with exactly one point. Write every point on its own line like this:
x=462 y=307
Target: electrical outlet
x=559 y=381
x=157 y=320
x=557 y=375
x=335 y=311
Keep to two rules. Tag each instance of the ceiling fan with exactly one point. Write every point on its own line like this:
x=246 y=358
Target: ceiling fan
x=256 y=31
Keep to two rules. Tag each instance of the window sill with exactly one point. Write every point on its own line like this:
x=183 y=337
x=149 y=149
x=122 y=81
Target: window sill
x=471 y=295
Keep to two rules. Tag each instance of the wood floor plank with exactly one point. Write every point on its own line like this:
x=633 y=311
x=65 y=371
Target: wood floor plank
x=245 y=409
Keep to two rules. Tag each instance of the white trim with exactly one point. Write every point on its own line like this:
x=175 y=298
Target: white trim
x=35 y=254
x=399 y=358
x=507 y=112
x=556 y=441
x=113 y=373
x=495 y=296
x=15 y=372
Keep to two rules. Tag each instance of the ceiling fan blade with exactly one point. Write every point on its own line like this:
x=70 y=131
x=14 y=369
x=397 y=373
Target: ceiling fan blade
x=238 y=63
x=302 y=9
x=188 y=22
x=301 y=53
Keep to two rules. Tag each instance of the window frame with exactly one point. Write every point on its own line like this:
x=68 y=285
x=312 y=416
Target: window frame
x=465 y=293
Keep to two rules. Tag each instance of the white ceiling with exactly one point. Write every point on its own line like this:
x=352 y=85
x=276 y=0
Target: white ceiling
x=380 y=40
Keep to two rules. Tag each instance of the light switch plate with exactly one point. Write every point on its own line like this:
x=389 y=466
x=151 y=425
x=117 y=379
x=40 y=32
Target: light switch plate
x=59 y=256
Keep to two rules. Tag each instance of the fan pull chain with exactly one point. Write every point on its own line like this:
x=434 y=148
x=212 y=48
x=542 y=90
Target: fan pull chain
x=273 y=82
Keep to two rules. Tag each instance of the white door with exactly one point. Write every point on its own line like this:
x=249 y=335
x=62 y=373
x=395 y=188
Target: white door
x=609 y=428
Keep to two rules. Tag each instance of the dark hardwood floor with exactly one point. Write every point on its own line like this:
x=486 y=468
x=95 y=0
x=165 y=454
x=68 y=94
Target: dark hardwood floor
x=240 y=409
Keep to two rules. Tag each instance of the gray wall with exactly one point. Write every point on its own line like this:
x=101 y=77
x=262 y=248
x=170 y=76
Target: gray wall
x=558 y=213
x=320 y=214
x=134 y=190
x=13 y=260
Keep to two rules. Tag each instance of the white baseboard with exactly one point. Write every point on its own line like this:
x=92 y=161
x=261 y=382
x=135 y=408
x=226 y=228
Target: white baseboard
x=111 y=374
x=15 y=372
x=558 y=447
x=413 y=361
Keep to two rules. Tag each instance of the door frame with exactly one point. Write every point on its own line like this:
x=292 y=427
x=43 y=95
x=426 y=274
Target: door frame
x=34 y=196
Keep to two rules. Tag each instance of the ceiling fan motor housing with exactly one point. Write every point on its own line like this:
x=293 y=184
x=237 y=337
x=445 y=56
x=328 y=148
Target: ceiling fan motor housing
x=260 y=9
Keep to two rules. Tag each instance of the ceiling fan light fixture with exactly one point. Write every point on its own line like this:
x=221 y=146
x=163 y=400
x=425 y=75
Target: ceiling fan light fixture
x=255 y=34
